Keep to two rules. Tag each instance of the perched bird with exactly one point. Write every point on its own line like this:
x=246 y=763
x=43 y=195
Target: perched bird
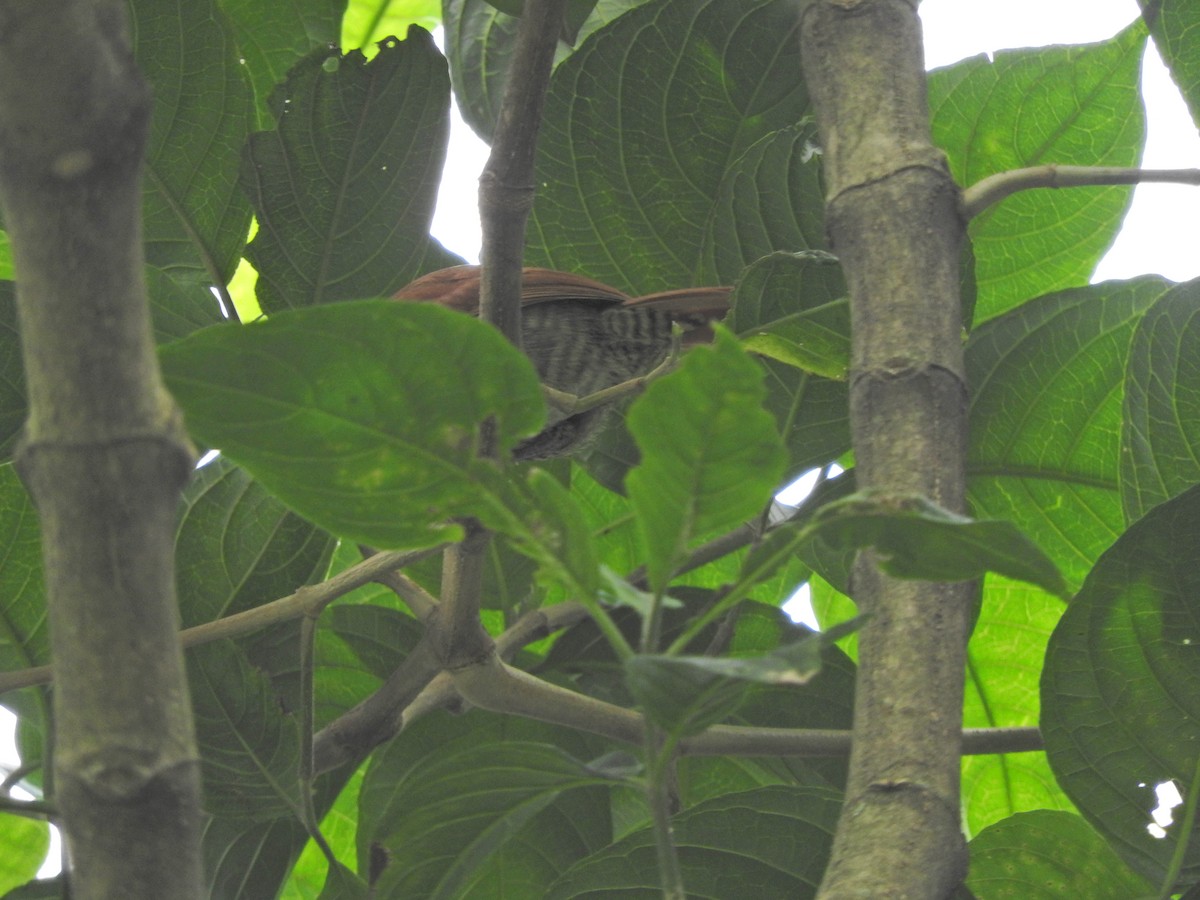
x=582 y=337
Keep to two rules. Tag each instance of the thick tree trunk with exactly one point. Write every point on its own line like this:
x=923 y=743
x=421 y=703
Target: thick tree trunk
x=103 y=454
x=893 y=219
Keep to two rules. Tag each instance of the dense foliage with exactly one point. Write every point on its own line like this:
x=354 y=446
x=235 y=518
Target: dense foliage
x=677 y=149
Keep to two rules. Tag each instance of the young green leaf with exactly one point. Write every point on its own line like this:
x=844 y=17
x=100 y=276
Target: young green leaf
x=344 y=187
x=686 y=694
x=919 y=539
x=710 y=453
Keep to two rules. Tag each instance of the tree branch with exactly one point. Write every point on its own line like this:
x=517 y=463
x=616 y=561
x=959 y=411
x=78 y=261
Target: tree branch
x=310 y=599
x=505 y=197
x=506 y=186
x=500 y=688
x=991 y=190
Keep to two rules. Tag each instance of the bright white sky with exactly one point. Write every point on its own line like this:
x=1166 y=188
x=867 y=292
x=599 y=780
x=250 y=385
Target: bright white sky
x=1160 y=232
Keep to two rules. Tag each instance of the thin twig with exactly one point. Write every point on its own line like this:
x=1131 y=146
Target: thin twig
x=500 y=688
x=991 y=190
x=310 y=598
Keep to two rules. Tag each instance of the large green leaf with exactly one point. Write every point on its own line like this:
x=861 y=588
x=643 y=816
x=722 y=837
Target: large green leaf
x=194 y=216
x=479 y=44
x=710 y=453
x=1004 y=665
x=24 y=640
x=627 y=182
x=344 y=188
x=768 y=842
x=480 y=806
x=1160 y=433
x=238 y=547
x=272 y=37
x=1121 y=686
x=792 y=307
x=1046 y=383
x=24 y=636
x=249 y=757
x=13 y=406
x=180 y=303
x=249 y=858
x=770 y=199
x=363 y=417
x=1048 y=855
x=249 y=748
x=1176 y=30
x=1064 y=105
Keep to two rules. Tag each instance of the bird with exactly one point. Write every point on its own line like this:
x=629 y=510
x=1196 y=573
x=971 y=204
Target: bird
x=582 y=336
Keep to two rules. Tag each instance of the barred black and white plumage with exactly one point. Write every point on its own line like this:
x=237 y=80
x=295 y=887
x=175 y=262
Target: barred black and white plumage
x=582 y=336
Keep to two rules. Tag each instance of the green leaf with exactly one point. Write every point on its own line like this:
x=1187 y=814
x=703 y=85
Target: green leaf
x=250 y=858
x=23 y=846
x=1063 y=105
x=464 y=802
x=26 y=640
x=679 y=697
x=342 y=884
x=237 y=547
x=1047 y=855
x=771 y=200
x=619 y=592
x=272 y=37
x=1175 y=31
x=479 y=45
x=686 y=694
x=1004 y=666
x=545 y=522
x=344 y=188
x=363 y=417
x=249 y=748
x=13 y=406
x=919 y=539
x=194 y=216
x=180 y=303
x=1121 y=680
x=626 y=182
x=1161 y=426
x=793 y=322
x=767 y=842
x=23 y=617
x=338 y=827
x=710 y=454
x=1046 y=421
